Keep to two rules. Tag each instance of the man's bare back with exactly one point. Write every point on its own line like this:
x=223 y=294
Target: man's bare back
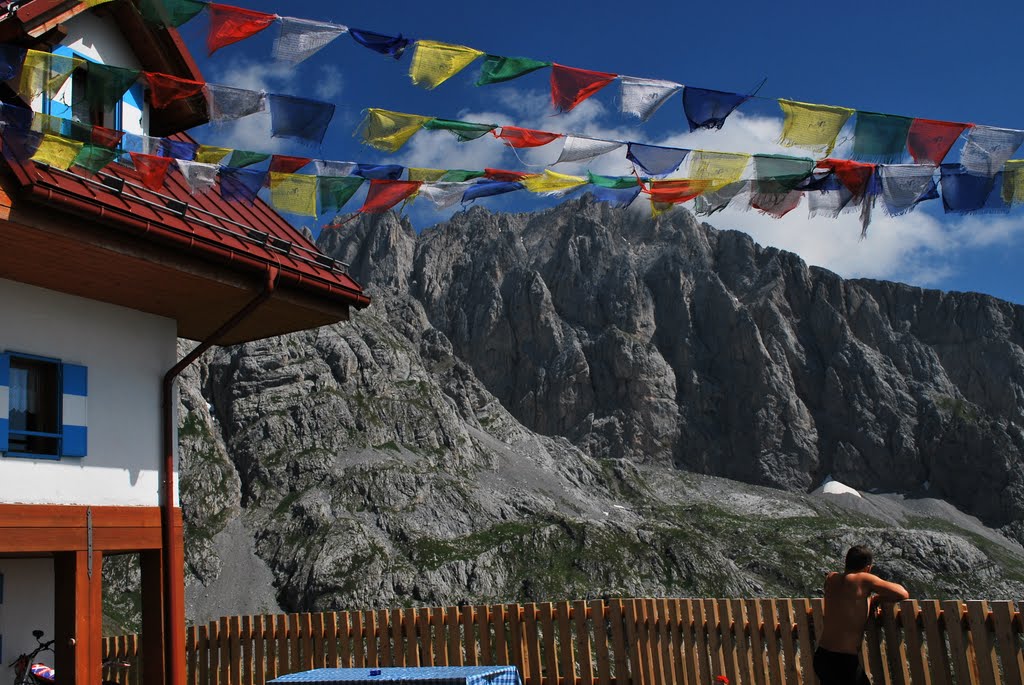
x=848 y=602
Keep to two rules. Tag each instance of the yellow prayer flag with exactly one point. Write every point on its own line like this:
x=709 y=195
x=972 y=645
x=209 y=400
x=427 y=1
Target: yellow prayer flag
x=552 y=182
x=211 y=154
x=93 y=3
x=659 y=208
x=57 y=152
x=434 y=63
x=1013 y=181
x=43 y=72
x=720 y=168
x=388 y=131
x=426 y=175
x=294 y=193
x=812 y=126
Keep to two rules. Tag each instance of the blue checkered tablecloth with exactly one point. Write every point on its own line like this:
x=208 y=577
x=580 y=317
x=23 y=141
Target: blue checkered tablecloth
x=426 y=675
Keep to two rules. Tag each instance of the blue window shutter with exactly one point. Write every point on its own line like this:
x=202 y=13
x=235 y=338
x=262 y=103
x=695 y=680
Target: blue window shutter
x=5 y=399
x=75 y=430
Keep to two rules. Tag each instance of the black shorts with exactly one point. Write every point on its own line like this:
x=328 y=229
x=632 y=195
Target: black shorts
x=837 y=668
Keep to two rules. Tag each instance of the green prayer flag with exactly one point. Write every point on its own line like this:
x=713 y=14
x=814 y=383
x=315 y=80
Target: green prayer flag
x=613 y=182
x=105 y=85
x=880 y=137
x=779 y=174
x=95 y=157
x=463 y=130
x=335 y=191
x=461 y=175
x=169 y=12
x=243 y=158
x=497 y=69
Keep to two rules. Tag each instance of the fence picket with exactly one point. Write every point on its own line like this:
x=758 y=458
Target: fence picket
x=469 y=639
x=203 y=657
x=517 y=644
x=915 y=645
x=483 y=623
x=331 y=635
x=547 y=627
x=454 y=636
x=938 y=659
x=650 y=652
x=984 y=649
x=532 y=640
x=1007 y=642
x=895 y=650
x=498 y=615
x=247 y=655
x=370 y=631
x=740 y=631
x=792 y=673
x=620 y=667
x=700 y=632
x=384 y=637
x=636 y=665
x=398 y=651
x=427 y=643
x=665 y=629
x=584 y=652
x=952 y=621
x=440 y=641
x=877 y=665
x=600 y=622
x=776 y=675
x=801 y=607
x=412 y=650
x=215 y=673
x=567 y=654
x=345 y=639
x=757 y=649
x=730 y=647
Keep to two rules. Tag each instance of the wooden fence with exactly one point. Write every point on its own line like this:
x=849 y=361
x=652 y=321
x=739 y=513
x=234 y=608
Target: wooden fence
x=615 y=642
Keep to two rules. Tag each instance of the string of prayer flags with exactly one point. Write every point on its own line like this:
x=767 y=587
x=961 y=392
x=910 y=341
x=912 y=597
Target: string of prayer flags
x=211 y=154
x=642 y=97
x=386 y=130
x=152 y=169
x=443 y=194
x=424 y=175
x=106 y=85
x=200 y=177
x=516 y=137
x=241 y=185
x=388 y=172
x=243 y=158
x=171 y=13
x=327 y=167
x=579 y=148
x=43 y=72
x=880 y=137
x=434 y=63
x=904 y=185
x=385 y=194
x=225 y=103
x=706 y=108
x=463 y=130
x=231 y=24
x=293 y=193
x=11 y=59
x=929 y=140
x=987 y=148
x=178 y=149
x=165 y=89
x=386 y=45
x=811 y=126
x=490 y=188
x=56 y=151
x=94 y=157
x=1013 y=182
x=335 y=191
x=300 y=39
x=571 y=86
x=285 y=164
x=964 y=192
x=498 y=69
x=299 y=119
x=655 y=159
x=553 y=183
x=718 y=168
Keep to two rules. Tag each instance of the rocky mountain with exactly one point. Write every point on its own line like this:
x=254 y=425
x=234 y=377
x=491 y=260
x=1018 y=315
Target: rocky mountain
x=586 y=402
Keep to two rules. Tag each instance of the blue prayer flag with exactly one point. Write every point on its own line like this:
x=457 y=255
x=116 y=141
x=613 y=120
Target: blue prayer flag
x=385 y=45
x=16 y=117
x=299 y=119
x=489 y=188
x=390 y=172
x=11 y=59
x=709 y=108
x=620 y=198
x=241 y=185
x=178 y=149
x=964 y=192
x=655 y=159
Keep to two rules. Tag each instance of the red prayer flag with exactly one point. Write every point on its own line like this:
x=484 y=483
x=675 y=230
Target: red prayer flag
x=283 y=164
x=152 y=169
x=231 y=24
x=525 y=137
x=165 y=89
x=929 y=140
x=570 y=87
x=385 y=194
x=855 y=176
x=510 y=176
x=106 y=137
x=676 y=191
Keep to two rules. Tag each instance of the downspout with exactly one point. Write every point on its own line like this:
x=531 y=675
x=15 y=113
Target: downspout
x=173 y=594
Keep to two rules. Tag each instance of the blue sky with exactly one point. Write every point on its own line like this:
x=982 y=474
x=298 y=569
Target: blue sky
x=939 y=61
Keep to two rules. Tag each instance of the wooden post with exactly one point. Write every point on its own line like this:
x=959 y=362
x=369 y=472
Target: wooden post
x=153 y=666
x=78 y=616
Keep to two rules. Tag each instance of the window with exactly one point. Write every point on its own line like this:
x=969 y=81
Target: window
x=72 y=104
x=42 y=407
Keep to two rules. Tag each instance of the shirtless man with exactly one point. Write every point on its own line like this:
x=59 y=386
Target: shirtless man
x=848 y=603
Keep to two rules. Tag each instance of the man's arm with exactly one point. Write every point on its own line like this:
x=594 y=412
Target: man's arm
x=886 y=591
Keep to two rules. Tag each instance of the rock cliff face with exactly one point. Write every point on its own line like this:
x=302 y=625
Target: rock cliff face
x=584 y=402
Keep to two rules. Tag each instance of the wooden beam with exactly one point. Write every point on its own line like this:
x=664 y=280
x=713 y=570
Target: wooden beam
x=78 y=617
x=152 y=617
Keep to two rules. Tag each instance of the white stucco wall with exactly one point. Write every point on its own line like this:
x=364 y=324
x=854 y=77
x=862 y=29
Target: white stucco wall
x=27 y=605
x=127 y=353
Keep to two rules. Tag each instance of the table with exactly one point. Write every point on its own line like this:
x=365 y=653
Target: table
x=426 y=675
